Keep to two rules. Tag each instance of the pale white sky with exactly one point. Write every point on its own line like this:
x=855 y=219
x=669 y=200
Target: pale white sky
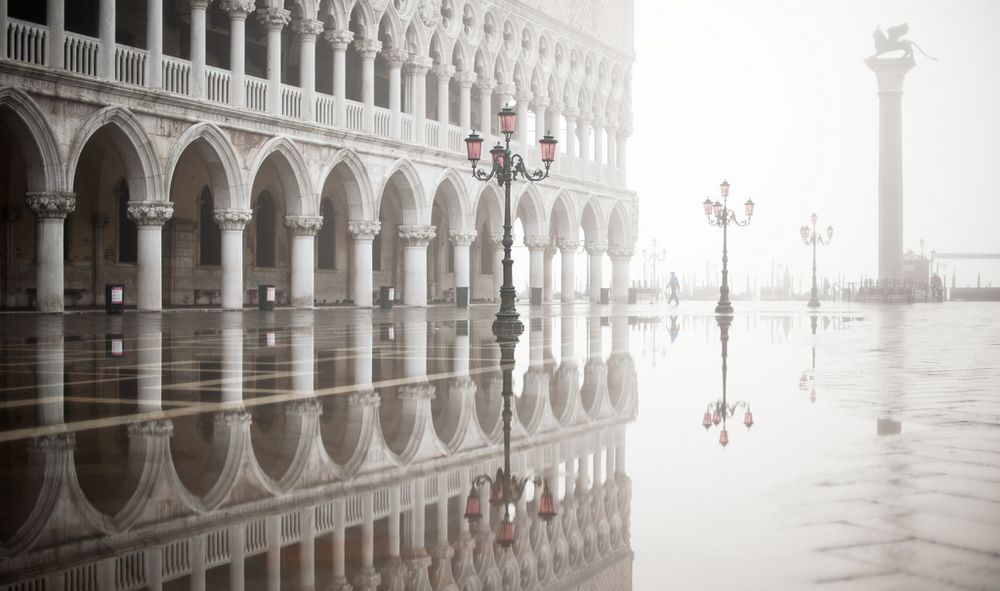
x=774 y=96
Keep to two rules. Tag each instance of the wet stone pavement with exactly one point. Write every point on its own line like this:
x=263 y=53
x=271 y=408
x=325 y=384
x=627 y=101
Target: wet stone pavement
x=334 y=449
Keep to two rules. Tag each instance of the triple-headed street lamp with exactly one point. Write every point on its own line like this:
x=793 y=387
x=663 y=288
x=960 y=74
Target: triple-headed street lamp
x=719 y=214
x=811 y=238
x=506 y=488
x=506 y=167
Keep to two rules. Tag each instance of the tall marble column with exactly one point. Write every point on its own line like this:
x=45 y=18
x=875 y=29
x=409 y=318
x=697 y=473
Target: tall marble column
x=368 y=48
x=547 y=289
x=231 y=223
x=339 y=39
x=461 y=240
x=339 y=567
x=395 y=58
x=154 y=43
x=303 y=229
x=367 y=578
x=418 y=66
x=596 y=252
x=465 y=80
x=536 y=267
x=443 y=73
x=106 y=30
x=621 y=257
x=273 y=20
x=149 y=217
x=307 y=30
x=364 y=233
x=583 y=132
x=890 y=73
x=523 y=97
x=568 y=249
x=199 y=9
x=485 y=87
x=238 y=11
x=50 y=209
x=415 y=240
x=55 y=20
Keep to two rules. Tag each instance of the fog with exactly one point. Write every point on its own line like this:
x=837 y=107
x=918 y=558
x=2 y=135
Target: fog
x=775 y=97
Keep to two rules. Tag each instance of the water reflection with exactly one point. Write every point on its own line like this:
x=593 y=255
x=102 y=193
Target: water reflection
x=721 y=410
x=236 y=453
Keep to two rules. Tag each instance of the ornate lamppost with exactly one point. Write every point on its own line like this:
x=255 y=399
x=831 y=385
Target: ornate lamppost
x=652 y=257
x=720 y=410
x=506 y=488
x=811 y=238
x=719 y=214
x=506 y=167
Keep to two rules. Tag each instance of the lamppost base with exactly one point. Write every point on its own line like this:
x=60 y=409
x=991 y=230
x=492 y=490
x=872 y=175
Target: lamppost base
x=507 y=326
x=813 y=303
x=724 y=308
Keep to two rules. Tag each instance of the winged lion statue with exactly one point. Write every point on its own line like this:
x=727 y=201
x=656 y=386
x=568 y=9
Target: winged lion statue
x=893 y=42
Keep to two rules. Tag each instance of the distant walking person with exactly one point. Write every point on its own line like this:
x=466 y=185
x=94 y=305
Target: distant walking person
x=675 y=284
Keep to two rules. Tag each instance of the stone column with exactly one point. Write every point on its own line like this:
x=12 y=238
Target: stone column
x=621 y=256
x=415 y=240
x=238 y=11
x=550 y=252
x=541 y=123
x=612 y=132
x=465 y=80
x=461 y=240
x=106 y=30
x=568 y=250
x=307 y=556
x=486 y=86
x=418 y=67
x=497 y=240
x=237 y=557
x=596 y=251
x=55 y=20
x=583 y=132
x=364 y=233
x=50 y=211
x=890 y=73
x=598 y=122
x=232 y=222
x=149 y=217
x=274 y=20
x=198 y=80
x=154 y=43
x=443 y=72
x=339 y=39
x=367 y=578
x=395 y=58
x=303 y=229
x=570 y=114
x=307 y=30
x=536 y=267
x=368 y=48
x=4 y=24
x=523 y=98
x=339 y=567
x=272 y=536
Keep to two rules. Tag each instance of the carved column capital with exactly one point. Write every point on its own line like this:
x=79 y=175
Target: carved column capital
x=557 y=106
x=395 y=56
x=304 y=407
x=365 y=398
x=339 y=39
x=596 y=247
x=232 y=219
x=150 y=213
x=523 y=95
x=443 y=71
x=486 y=84
x=54 y=441
x=273 y=18
x=364 y=230
x=199 y=4
x=155 y=427
x=419 y=65
x=537 y=242
x=304 y=225
x=417 y=235
x=465 y=78
x=368 y=48
x=621 y=251
x=367 y=579
x=497 y=240
x=540 y=102
x=462 y=237
x=51 y=205
x=551 y=250
x=308 y=27
x=238 y=9
x=571 y=112
x=419 y=391
x=566 y=245
x=506 y=90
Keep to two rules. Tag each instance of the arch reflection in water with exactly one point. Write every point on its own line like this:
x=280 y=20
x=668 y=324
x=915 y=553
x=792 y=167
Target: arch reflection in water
x=249 y=465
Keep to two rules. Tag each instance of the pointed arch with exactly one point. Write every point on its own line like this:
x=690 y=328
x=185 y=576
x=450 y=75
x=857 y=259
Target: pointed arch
x=300 y=198
x=489 y=206
x=620 y=226
x=142 y=166
x=221 y=160
x=592 y=220
x=403 y=177
x=392 y=29
x=35 y=139
x=530 y=209
x=456 y=199
x=563 y=218
x=355 y=181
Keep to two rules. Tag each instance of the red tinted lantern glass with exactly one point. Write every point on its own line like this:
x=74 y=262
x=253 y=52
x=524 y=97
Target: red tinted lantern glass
x=748 y=419
x=708 y=206
x=706 y=421
x=548 y=148
x=724 y=438
x=829 y=232
x=749 y=206
x=804 y=231
x=473 y=508
x=546 y=505
x=724 y=189
x=505 y=537
x=717 y=208
x=813 y=218
x=716 y=417
x=498 y=153
x=474 y=146
x=507 y=120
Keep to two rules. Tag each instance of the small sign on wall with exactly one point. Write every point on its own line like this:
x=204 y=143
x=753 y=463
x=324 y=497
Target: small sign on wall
x=117 y=295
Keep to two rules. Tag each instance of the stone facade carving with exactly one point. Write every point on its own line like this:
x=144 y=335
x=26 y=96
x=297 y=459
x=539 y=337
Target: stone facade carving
x=232 y=219
x=567 y=245
x=368 y=48
x=537 y=242
x=463 y=237
x=364 y=230
x=417 y=235
x=273 y=18
x=51 y=206
x=308 y=26
x=596 y=247
x=339 y=39
x=621 y=251
x=304 y=225
x=238 y=8
x=150 y=213
x=395 y=56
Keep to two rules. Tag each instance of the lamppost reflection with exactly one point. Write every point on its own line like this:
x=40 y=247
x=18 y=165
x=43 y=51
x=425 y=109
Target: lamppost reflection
x=719 y=411
x=506 y=489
